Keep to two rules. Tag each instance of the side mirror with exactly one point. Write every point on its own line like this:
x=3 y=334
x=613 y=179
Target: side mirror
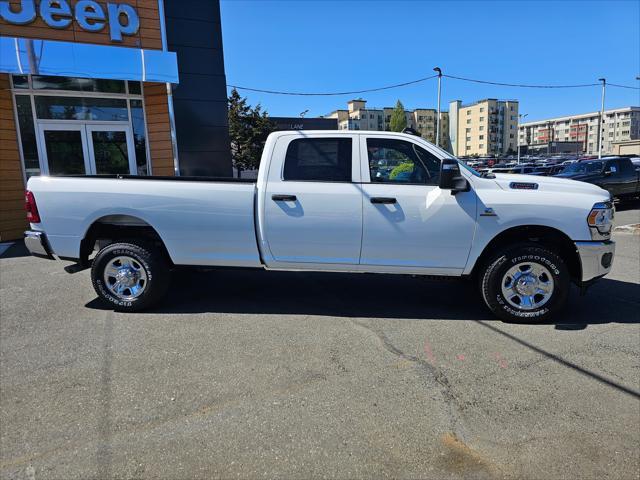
x=451 y=178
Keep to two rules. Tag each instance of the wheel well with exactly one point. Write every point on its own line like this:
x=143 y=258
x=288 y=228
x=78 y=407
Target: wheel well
x=115 y=228
x=551 y=238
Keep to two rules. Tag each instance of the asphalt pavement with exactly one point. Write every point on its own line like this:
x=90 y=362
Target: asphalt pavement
x=252 y=374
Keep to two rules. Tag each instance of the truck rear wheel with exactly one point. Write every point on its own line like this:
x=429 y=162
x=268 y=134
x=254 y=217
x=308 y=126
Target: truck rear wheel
x=525 y=283
x=130 y=277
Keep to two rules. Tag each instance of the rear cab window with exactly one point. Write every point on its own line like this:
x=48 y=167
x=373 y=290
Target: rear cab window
x=319 y=160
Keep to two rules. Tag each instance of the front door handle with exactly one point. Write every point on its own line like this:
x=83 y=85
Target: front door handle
x=283 y=198
x=379 y=200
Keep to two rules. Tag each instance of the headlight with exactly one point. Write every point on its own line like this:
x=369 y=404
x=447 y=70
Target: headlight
x=600 y=220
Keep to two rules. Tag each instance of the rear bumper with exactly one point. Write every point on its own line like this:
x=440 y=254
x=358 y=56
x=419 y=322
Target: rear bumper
x=596 y=259
x=37 y=244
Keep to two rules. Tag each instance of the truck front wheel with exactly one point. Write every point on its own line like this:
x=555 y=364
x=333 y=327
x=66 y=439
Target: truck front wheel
x=526 y=282
x=130 y=277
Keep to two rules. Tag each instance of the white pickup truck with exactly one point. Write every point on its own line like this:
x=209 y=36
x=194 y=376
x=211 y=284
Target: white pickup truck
x=347 y=201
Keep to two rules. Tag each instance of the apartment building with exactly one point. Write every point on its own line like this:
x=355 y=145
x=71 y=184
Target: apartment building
x=619 y=125
x=485 y=127
x=358 y=117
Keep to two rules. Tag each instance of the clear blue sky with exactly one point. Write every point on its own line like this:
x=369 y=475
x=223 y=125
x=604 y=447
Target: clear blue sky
x=300 y=45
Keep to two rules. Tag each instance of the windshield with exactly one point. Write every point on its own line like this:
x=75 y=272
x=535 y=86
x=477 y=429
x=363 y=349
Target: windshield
x=467 y=167
x=583 y=168
x=444 y=154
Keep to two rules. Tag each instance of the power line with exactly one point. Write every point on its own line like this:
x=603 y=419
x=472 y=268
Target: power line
x=388 y=87
x=622 y=86
x=404 y=84
x=520 y=85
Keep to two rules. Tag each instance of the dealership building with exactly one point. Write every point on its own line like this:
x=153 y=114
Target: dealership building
x=108 y=87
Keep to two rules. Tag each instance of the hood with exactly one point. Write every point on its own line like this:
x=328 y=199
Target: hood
x=551 y=184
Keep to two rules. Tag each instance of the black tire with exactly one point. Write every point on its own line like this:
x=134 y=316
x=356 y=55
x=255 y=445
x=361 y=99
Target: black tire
x=495 y=273
x=145 y=256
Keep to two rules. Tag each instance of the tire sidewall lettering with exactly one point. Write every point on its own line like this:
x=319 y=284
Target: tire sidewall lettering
x=536 y=259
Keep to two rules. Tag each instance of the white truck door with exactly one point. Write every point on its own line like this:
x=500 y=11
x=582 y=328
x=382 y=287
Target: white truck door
x=312 y=204
x=408 y=222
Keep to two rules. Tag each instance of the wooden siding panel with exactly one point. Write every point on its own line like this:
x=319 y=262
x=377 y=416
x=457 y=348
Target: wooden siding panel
x=157 y=113
x=11 y=184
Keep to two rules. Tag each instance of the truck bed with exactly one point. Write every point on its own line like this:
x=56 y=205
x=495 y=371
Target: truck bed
x=202 y=220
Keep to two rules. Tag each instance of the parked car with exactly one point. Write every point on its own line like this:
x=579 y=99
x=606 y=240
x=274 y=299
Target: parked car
x=617 y=175
x=318 y=205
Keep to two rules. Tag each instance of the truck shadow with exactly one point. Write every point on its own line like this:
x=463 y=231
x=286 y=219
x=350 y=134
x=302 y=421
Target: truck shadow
x=371 y=296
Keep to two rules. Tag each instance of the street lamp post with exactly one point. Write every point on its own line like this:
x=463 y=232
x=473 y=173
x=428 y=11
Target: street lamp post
x=437 y=69
x=520 y=117
x=601 y=125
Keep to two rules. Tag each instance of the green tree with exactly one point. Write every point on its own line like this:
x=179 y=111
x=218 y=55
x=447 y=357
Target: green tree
x=398 y=120
x=248 y=130
x=402 y=168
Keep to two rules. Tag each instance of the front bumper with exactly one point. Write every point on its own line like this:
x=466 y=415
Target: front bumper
x=596 y=259
x=37 y=244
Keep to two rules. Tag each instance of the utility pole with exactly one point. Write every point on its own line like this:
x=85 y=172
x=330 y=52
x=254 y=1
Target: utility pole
x=600 y=127
x=520 y=117
x=437 y=69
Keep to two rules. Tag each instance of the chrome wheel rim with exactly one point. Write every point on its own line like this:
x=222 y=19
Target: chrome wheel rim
x=125 y=277
x=527 y=286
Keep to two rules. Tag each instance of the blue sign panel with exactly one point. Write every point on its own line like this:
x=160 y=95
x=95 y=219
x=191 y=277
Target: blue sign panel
x=49 y=57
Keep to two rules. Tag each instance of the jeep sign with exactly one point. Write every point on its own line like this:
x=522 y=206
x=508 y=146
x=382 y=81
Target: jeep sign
x=90 y=16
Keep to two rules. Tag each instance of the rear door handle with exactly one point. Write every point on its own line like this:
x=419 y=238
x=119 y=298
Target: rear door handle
x=284 y=198
x=383 y=200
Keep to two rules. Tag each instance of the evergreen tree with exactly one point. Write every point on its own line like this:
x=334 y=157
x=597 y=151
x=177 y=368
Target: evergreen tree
x=248 y=130
x=398 y=120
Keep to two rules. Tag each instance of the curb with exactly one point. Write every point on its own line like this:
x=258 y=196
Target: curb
x=633 y=228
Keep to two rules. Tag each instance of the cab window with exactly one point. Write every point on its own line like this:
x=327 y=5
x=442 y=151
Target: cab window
x=318 y=159
x=399 y=161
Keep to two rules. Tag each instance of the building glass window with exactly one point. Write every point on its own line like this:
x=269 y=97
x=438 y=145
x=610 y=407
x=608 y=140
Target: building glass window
x=135 y=88
x=139 y=136
x=27 y=135
x=44 y=82
x=20 y=81
x=37 y=136
x=81 y=108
